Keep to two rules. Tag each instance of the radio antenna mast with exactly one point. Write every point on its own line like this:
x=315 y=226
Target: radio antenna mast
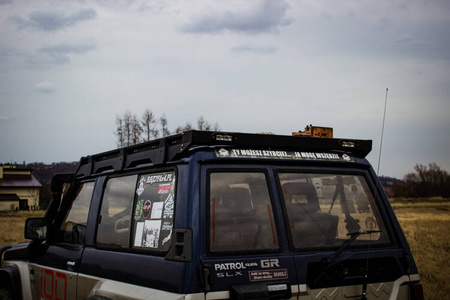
x=382 y=132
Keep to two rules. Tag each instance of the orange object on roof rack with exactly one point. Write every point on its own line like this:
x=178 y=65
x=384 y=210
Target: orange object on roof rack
x=315 y=131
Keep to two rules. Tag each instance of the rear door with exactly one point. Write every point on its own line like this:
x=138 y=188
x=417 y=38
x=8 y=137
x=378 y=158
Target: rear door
x=54 y=265
x=245 y=254
x=337 y=233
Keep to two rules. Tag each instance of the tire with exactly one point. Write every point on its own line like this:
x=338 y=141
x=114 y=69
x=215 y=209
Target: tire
x=6 y=294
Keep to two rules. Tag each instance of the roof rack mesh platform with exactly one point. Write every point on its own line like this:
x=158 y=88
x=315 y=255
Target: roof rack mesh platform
x=172 y=148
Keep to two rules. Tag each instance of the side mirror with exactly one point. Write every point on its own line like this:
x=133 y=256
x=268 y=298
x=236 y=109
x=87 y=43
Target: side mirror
x=36 y=228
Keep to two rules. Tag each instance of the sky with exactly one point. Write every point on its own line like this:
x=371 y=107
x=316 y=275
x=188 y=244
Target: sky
x=68 y=68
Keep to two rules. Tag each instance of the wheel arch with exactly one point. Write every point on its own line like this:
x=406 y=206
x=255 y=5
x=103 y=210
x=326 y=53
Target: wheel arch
x=10 y=279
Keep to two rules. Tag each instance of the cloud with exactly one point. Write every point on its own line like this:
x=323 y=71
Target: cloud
x=254 y=49
x=53 y=20
x=2 y=2
x=155 y=6
x=6 y=118
x=45 y=87
x=267 y=16
x=60 y=53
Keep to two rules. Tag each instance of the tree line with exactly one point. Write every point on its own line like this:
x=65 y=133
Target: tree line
x=132 y=130
x=429 y=181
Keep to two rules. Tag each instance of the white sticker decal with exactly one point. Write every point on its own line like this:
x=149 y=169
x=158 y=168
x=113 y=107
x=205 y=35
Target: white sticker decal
x=157 y=210
x=140 y=189
x=139 y=234
x=151 y=233
x=281 y=154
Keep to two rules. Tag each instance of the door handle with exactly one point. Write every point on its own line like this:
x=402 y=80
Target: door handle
x=71 y=263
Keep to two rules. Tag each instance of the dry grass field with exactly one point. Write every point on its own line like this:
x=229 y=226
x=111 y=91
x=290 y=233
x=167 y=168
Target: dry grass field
x=12 y=225
x=426 y=226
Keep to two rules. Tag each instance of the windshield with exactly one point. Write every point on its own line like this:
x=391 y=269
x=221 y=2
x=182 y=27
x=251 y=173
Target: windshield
x=323 y=210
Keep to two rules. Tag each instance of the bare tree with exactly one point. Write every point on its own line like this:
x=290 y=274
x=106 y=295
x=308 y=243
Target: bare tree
x=202 y=124
x=136 y=131
x=425 y=182
x=128 y=130
x=131 y=131
x=128 y=127
x=120 y=132
x=164 y=129
x=34 y=194
x=149 y=125
x=186 y=127
x=216 y=127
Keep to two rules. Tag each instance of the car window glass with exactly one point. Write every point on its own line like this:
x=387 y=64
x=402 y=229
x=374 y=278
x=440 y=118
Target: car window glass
x=325 y=209
x=153 y=211
x=72 y=229
x=240 y=213
x=115 y=215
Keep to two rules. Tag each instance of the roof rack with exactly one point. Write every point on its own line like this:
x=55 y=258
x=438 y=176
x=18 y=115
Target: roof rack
x=174 y=147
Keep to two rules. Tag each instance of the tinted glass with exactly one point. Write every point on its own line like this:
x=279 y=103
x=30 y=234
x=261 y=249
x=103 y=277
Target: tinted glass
x=241 y=217
x=153 y=211
x=115 y=217
x=72 y=229
x=324 y=209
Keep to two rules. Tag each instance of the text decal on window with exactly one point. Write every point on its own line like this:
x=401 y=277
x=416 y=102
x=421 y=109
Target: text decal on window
x=153 y=214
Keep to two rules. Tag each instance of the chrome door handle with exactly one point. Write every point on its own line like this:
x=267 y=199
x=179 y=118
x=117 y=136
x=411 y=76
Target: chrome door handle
x=71 y=263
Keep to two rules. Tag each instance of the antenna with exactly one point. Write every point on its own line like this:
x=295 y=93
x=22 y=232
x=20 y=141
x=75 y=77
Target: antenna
x=382 y=132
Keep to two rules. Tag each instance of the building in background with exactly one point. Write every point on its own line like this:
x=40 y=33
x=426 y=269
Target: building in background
x=19 y=189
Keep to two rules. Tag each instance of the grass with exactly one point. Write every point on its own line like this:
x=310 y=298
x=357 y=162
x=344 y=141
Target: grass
x=426 y=226
x=12 y=225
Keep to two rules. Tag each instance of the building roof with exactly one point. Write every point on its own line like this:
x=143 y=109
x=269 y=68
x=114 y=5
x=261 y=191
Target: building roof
x=17 y=181
x=9 y=197
x=13 y=177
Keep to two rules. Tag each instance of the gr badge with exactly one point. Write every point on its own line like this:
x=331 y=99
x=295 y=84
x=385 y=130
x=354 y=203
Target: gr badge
x=270 y=263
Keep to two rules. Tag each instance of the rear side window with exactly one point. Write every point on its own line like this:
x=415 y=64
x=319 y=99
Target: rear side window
x=153 y=211
x=240 y=213
x=137 y=212
x=115 y=216
x=324 y=210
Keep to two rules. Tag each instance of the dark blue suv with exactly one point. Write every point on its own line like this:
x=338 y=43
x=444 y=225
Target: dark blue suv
x=215 y=215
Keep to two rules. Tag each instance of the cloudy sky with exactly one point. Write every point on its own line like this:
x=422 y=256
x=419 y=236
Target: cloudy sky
x=68 y=67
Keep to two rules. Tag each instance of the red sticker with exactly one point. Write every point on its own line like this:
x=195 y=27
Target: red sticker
x=164 y=188
x=146 y=209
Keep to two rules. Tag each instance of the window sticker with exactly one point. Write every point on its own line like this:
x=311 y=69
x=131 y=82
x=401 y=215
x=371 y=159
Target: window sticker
x=140 y=189
x=151 y=233
x=157 y=210
x=272 y=154
x=154 y=211
x=138 y=211
x=147 y=209
x=139 y=233
x=168 y=207
x=151 y=179
x=166 y=233
x=164 y=188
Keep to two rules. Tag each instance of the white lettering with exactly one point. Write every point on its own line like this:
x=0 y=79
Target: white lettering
x=229 y=266
x=159 y=178
x=235 y=152
x=308 y=155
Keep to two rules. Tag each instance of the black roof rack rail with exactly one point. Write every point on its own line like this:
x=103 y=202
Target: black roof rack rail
x=173 y=147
